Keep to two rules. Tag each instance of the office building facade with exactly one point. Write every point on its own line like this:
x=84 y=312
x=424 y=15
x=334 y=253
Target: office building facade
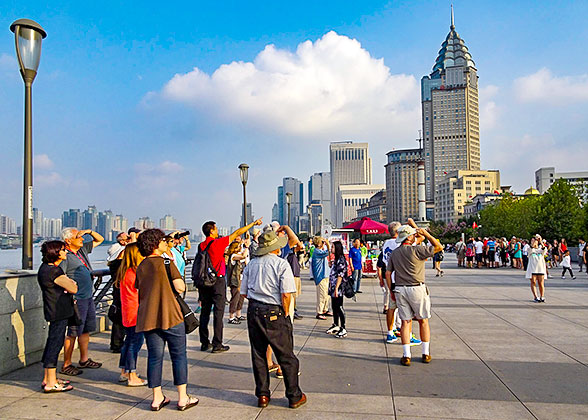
x=319 y=193
x=544 y=177
x=402 y=184
x=351 y=197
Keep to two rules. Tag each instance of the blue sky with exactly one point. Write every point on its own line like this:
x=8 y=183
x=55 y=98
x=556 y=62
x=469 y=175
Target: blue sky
x=147 y=108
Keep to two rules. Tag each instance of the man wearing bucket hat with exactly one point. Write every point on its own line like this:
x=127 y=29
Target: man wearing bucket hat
x=268 y=284
x=407 y=262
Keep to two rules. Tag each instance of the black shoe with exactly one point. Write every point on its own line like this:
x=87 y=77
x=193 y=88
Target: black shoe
x=220 y=349
x=115 y=351
x=359 y=291
x=205 y=347
x=296 y=316
x=385 y=311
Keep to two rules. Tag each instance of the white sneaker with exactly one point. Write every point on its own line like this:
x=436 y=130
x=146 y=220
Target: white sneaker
x=342 y=333
x=333 y=329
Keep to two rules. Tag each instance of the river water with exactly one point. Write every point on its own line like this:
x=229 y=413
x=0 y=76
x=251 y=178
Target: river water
x=11 y=259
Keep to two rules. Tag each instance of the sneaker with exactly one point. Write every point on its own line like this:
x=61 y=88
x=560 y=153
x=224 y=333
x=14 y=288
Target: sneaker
x=536 y=300
x=279 y=374
x=297 y=316
x=396 y=333
x=542 y=300
x=241 y=318
x=220 y=349
x=414 y=341
x=391 y=338
x=563 y=277
x=342 y=333
x=197 y=310
x=385 y=311
x=234 y=321
x=405 y=361
x=333 y=329
x=574 y=278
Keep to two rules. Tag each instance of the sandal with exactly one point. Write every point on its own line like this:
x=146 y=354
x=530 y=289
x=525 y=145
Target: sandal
x=70 y=370
x=162 y=404
x=241 y=318
x=57 y=388
x=274 y=367
x=89 y=364
x=59 y=381
x=122 y=378
x=321 y=316
x=142 y=383
x=191 y=403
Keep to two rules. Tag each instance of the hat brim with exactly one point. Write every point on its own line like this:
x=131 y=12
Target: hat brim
x=281 y=242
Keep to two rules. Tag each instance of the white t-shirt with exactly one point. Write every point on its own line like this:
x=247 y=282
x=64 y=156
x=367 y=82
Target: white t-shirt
x=479 y=247
x=389 y=246
x=526 y=249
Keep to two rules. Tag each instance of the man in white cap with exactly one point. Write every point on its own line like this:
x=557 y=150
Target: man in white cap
x=268 y=284
x=407 y=262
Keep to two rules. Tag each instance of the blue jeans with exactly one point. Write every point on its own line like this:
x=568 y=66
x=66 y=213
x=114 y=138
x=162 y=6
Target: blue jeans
x=54 y=344
x=175 y=337
x=130 y=349
x=356 y=279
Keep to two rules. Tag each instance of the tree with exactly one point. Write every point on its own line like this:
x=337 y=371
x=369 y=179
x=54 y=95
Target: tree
x=560 y=213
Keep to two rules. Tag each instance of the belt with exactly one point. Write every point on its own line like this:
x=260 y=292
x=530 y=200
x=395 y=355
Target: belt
x=260 y=303
x=410 y=285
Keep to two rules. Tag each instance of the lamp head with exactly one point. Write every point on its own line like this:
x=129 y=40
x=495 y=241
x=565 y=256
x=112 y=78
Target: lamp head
x=288 y=197
x=28 y=36
x=244 y=168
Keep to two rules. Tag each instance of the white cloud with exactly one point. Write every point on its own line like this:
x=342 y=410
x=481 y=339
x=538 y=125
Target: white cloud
x=489 y=111
x=328 y=89
x=161 y=176
x=51 y=179
x=42 y=162
x=543 y=86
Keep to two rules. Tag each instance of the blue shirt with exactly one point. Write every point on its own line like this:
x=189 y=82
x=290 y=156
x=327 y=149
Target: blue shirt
x=355 y=255
x=319 y=265
x=178 y=252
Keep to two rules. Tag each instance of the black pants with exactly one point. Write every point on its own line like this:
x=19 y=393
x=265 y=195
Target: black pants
x=209 y=296
x=54 y=344
x=117 y=331
x=338 y=311
x=563 y=272
x=268 y=325
x=525 y=262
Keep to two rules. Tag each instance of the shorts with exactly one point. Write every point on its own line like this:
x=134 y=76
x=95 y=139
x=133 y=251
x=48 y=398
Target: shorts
x=479 y=257
x=298 y=284
x=87 y=311
x=392 y=305
x=470 y=258
x=491 y=255
x=413 y=302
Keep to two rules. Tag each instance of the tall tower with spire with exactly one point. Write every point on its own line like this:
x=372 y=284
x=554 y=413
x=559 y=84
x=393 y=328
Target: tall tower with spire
x=451 y=127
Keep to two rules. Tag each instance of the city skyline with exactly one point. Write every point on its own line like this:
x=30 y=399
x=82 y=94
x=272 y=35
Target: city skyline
x=149 y=109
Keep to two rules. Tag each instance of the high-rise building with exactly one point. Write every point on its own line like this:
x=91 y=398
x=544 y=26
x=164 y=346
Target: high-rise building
x=90 y=218
x=120 y=223
x=249 y=215
x=450 y=119
x=144 y=223
x=544 y=177
x=296 y=188
x=275 y=212
x=51 y=228
x=402 y=185
x=167 y=222
x=37 y=222
x=459 y=188
x=105 y=224
x=281 y=203
x=351 y=197
x=72 y=218
x=7 y=225
x=319 y=193
x=375 y=208
x=350 y=165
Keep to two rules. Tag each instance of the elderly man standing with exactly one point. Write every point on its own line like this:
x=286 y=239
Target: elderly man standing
x=77 y=267
x=407 y=262
x=268 y=284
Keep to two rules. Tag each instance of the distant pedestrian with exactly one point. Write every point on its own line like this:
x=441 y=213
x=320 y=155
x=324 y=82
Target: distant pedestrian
x=581 y=246
x=337 y=280
x=78 y=268
x=268 y=284
x=355 y=255
x=525 y=253
x=566 y=264
x=320 y=274
x=470 y=253
x=555 y=253
x=536 y=270
x=460 y=248
x=479 y=247
x=58 y=307
x=235 y=263
x=437 y=258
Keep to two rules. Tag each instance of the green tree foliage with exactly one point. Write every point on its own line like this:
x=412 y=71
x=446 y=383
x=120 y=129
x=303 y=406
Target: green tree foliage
x=560 y=213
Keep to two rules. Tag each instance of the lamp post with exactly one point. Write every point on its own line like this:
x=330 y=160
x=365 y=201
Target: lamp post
x=28 y=36
x=244 y=168
x=288 y=201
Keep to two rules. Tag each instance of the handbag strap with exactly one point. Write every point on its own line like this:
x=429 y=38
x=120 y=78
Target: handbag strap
x=169 y=276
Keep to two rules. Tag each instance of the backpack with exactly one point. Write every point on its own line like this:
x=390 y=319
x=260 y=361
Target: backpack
x=203 y=273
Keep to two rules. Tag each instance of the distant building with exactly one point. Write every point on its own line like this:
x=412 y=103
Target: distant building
x=402 y=184
x=275 y=212
x=375 y=208
x=72 y=218
x=544 y=177
x=90 y=218
x=296 y=188
x=459 y=188
x=351 y=197
x=249 y=215
x=7 y=225
x=319 y=193
x=167 y=222
x=450 y=114
x=144 y=223
x=350 y=165
x=315 y=218
x=37 y=222
x=51 y=228
x=105 y=224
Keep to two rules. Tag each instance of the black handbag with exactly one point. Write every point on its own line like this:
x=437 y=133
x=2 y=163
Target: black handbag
x=191 y=322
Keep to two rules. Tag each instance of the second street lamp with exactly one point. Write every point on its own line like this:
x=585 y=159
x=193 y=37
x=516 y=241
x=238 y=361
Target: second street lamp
x=28 y=36
x=288 y=202
x=244 y=168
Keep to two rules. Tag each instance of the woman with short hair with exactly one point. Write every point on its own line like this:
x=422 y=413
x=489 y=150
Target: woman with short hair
x=160 y=318
x=337 y=278
x=58 y=307
x=234 y=262
x=536 y=269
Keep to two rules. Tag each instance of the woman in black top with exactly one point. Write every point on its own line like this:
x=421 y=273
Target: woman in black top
x=58 y=291
x=337 y=277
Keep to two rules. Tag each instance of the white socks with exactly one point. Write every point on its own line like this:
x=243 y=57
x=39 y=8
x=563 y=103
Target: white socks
x=391 y=332
x=425 y=347
x=406 y=350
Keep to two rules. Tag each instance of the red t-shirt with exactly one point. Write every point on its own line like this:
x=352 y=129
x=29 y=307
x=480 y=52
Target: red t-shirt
x=217 y=252
x=129 y=298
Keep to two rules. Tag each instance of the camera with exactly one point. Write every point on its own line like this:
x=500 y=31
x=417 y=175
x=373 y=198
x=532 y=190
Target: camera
x=181 y=235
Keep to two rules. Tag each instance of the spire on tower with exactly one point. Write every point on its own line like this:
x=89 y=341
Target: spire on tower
x=452 y=20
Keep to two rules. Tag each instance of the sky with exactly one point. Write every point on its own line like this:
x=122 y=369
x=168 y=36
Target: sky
x=147 y=108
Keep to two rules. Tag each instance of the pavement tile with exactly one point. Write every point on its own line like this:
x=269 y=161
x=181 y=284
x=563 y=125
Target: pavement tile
x=550 y=411
x=61 y=408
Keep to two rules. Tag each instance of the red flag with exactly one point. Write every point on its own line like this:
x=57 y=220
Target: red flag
x=474 y=225
x=496 y=192
x=444 y=173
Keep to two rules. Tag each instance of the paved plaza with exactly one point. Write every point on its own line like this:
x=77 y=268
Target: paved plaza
x=496 y=355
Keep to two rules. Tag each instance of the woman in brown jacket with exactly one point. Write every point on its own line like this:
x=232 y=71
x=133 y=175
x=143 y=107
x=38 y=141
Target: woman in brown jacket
x=160 y=319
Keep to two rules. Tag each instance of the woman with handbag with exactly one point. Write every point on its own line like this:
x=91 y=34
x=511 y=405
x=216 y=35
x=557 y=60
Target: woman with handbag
x=129 y=298
x=234 y=262
x=437 y=258
x=58 y=307
x=160 y=318
x=337 y=277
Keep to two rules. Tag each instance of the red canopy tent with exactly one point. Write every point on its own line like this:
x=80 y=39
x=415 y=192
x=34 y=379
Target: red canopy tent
x=367 y=226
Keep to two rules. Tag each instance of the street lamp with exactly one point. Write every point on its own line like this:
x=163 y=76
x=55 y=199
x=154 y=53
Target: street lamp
x=244 y=168
x=288 y=201
x=28 y=36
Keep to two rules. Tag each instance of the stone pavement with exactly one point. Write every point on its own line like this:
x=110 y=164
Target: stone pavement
x=496 y=355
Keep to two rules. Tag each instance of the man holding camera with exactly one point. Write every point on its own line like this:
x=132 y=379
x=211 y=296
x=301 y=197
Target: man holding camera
x=180 y=244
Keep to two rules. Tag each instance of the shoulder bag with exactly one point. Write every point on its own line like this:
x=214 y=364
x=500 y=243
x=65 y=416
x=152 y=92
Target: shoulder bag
x=190 y=320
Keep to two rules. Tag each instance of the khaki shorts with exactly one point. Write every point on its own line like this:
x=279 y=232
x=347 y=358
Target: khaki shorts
x=298 y=284
x=413 y=302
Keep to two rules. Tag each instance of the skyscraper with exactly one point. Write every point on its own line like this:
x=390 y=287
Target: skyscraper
x=296 y=188
x=319 y=193
x=350 y=165
x=167 y=222
x=449 y=97
x=402 y=184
